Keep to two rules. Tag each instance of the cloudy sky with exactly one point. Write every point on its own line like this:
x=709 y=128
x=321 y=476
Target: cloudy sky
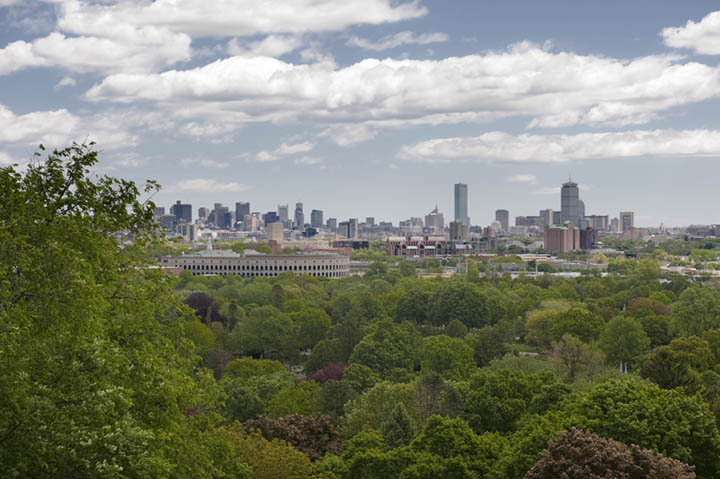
x=376 y=107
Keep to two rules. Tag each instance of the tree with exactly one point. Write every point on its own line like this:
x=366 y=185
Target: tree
x=623 y=341
x=574 y=358
x=269 y=459
x=96 y=379
x=399 y=429
x=300 y=399
x=579 y=322
x=314 y=436
x=387 y=349
x=247 y=398
x=310 y=326
x=670 y=422
x=697 y=309
x=456 y=329
x=679 y=363
x=447 y=356
x=466 y=303
x=585 y=455
x=487 y=344
x=245 y=368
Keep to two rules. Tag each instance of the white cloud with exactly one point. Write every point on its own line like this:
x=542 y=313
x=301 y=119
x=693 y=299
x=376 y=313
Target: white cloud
x=59 y=128
x=231 y=18
x=122 y=49
x=500 y=147
x=527 y=81
x=284 y=150
x=270 y=46
x=703 y=37
x=523 y=178
x=203 y=162
x=348 y=135
x=200 y=185
x=309 y=160
x=66 y=81
x=402 y=38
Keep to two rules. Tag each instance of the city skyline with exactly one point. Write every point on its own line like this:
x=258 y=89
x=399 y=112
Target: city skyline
x=376 y=107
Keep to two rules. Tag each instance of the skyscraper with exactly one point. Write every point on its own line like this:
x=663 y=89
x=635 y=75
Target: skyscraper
x=435 y=220
x=182 y=212
x=241 y=209
x=461 y=204
x=570 y=204
x=219 y=215
x=627 y=221
x=316 y=218
x=283 y=213
x=299 y=216
x=503 y=217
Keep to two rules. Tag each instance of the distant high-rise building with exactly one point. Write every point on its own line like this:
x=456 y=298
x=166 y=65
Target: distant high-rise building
x=369 y=221
x=570 y=204
x=332 y=225
x=435 y=220
x=270 y=217
x=547 y=217
x=275 y=232
x=353 y=228
x=588 y=237
x=283 y=213
x=219 y=215
x=182 y=212
x=241 y=209
x=250 y=223
x=299 y=216
x=581 y=209
x=614 y=225
x=562 y=238
x=343 y=229
x=626 y=221
x=316 y=218
x=459 y=231
x=503 y=217
x=188 y=231
x=556 y=218
x=159 y=211
x=597 y=222
x=461 y=204
x=203 y=213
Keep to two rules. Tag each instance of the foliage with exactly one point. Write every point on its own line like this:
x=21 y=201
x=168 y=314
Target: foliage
x=300 y=399
x=585 y=455
x=447 y=356
x=623 y=341
x=245 y=368
x=314 y=436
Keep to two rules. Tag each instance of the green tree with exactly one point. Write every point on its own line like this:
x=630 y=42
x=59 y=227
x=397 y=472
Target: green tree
x=697 y=309
x=487 y=344
x=398 y=430
x=447 y=356
x=314 y=436
x=575 y=359
x=310 y=326
x=95 y=378
x=245 y=368
x=387 y=349
x=466 y=303
x=456 y=329
x=679 y=363
x=579 y=322
x=623 y=341
x=300 y=399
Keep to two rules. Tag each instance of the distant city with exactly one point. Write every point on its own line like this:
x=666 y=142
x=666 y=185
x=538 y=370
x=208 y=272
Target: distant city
x=568 y=229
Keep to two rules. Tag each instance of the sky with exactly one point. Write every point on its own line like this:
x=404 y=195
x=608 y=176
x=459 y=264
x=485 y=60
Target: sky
x=377 y=107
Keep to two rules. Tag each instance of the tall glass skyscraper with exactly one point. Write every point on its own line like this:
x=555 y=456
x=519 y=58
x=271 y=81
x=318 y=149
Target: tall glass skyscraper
x=461 y=204
x=570 y=204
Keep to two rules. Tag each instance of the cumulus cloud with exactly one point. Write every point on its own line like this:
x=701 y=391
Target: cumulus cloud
x=60 y=128
x=231 y=18
x=524 y=178
x=203 y=162
x=284 y=150
x=703 y=37
x=200 y=185
x=349 y=135
x=66 y=81
x=550 y=89
x=270 y=46
x=6 y=159
x=500 y=147
x=393 y=41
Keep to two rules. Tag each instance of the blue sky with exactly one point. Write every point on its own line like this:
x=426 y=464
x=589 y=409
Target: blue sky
x=377 y=107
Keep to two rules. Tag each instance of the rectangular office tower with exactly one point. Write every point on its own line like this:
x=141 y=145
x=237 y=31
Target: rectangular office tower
x=503 y=217
x=570 y=204
x=461 y=204
x=182 y=212
x=316 y=218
